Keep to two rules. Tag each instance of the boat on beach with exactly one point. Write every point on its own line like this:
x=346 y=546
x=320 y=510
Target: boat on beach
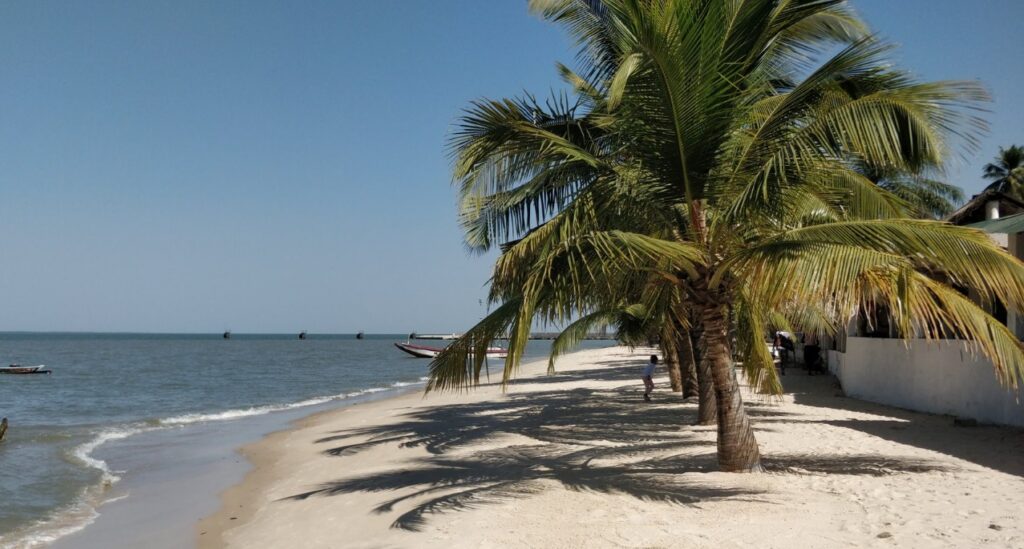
x=422 y=351
x=19 y=369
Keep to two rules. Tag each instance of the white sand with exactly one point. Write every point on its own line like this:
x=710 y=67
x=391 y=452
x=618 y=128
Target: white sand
x=578 y=460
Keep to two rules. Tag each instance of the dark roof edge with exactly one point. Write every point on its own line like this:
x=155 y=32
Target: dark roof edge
x=978 y=201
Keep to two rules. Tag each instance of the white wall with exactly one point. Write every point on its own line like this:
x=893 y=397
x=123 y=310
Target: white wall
x=940 y=377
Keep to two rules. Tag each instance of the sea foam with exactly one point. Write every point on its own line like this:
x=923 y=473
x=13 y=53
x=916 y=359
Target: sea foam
x=83 y=511
x=186 y=419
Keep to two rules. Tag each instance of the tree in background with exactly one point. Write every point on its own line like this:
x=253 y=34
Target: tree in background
x=1007 y=172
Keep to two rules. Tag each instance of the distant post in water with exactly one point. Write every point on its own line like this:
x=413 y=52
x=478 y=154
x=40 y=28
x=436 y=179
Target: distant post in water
x=3 y=429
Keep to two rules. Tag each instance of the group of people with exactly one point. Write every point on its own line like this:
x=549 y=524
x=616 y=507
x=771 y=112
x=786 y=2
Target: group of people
x=782 y=345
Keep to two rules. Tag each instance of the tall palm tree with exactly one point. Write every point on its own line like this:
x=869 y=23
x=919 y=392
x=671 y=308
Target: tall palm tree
x=710 y=146
x=1007 y=172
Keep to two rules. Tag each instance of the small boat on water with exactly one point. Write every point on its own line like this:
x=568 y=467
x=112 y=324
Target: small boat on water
x=19 y=369
x=446 y=337
x=421 y=351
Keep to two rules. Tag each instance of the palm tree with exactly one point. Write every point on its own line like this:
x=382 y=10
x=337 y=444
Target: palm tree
x=1007 y=172
x=925 y=197
x=655 y=312
x=708 y=147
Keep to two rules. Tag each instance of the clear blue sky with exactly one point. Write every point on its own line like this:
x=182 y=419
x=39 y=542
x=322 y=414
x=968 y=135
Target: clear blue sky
x=270 y=167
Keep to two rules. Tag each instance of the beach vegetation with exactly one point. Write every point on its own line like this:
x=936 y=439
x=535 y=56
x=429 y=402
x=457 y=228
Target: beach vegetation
x=722 y=167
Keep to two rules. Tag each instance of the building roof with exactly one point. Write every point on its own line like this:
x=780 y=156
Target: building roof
x=973 y=210
x=1012 y=224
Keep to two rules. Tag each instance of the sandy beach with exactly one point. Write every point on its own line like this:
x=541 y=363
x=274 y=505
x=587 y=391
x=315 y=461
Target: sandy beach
x=578 y=460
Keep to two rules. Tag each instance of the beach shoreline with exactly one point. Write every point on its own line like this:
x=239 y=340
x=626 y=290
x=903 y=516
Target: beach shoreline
x=95 y=439
x=493 y=469
x=236 y=508
x=157 y=500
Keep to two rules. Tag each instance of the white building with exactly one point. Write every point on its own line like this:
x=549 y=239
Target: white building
x=938 y=376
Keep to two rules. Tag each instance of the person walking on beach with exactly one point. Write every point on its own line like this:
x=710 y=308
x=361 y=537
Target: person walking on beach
x=648 y=377
x=778 y=351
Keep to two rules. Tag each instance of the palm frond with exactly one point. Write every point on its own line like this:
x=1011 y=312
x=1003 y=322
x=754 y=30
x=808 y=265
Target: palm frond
x=458 y=367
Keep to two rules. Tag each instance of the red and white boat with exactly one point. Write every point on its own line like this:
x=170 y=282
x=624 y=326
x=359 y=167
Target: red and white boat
x=422 y=351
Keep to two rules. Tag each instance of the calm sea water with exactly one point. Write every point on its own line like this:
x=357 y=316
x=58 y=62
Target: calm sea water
x=107 y=387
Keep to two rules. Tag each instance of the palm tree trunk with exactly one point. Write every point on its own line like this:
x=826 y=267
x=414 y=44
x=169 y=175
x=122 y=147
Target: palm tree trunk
x=707 y=407
x=687 y=365
x=674 y=377
x=737 y=447
x=668 y=351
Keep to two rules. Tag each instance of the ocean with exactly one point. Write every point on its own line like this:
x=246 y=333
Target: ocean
x=123 y=405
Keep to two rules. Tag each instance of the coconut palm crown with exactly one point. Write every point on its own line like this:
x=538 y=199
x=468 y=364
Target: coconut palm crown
x=1007 y=172
x=713 y=150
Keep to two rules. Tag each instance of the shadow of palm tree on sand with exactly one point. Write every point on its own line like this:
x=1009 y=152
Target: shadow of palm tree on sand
x=587 y=440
